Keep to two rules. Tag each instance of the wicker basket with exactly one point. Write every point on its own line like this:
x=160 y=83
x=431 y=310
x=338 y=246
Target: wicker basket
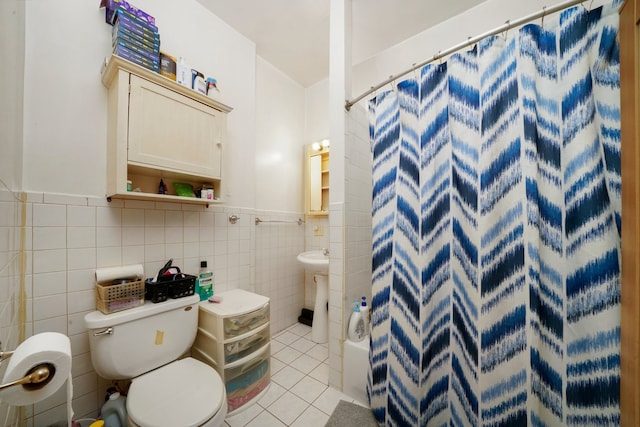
x=112 y=298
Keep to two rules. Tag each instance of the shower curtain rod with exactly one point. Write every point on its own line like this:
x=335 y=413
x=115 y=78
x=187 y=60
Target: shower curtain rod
x=470 y=41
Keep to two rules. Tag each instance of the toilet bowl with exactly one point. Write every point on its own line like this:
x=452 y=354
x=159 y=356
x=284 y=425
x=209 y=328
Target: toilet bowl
x=166 y=396
x=354 y=371
x=146 y=344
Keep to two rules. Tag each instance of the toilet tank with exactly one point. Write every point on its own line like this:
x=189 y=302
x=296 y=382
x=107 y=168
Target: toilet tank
x=134 y=341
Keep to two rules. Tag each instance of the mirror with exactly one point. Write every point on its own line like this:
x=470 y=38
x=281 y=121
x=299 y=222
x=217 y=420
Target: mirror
x=317 y=178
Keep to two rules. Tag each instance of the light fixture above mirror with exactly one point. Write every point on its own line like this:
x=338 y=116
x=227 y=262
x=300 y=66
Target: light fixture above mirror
x=320 y=145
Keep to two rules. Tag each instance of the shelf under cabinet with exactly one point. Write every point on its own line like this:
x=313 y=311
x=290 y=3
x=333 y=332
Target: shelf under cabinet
x=148 y=179
x=149 y=197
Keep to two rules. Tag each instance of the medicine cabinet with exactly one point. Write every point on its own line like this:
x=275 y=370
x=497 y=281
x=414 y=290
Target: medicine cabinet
x=159 y=129
x=317 y=179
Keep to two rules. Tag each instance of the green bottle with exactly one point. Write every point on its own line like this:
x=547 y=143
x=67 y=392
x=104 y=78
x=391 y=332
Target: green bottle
x=205 y=282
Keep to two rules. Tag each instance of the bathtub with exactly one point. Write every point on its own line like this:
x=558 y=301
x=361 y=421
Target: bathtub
x=354 y=369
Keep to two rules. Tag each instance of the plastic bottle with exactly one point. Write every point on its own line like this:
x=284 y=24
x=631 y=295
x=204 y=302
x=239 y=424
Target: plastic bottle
x=114 y=411
x=183 y=73
x=356 y=324
x=364 y=309
x=213 y=91
x=198 y=82
x=162 y=187
x=205 y=282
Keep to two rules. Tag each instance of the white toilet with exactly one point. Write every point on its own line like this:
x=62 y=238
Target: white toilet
x=145 y=344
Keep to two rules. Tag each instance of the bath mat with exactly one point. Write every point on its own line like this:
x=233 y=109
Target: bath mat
x=351 y=415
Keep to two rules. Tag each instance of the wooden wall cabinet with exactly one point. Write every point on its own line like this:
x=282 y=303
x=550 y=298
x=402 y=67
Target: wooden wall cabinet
x=158 y=129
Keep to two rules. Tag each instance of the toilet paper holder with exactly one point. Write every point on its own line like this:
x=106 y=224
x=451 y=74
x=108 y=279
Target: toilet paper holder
x=37 y=377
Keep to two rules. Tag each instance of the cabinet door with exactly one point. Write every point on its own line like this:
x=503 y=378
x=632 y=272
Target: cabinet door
x=170 y=131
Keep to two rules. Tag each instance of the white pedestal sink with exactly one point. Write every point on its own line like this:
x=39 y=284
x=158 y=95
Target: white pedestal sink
x=317 y=262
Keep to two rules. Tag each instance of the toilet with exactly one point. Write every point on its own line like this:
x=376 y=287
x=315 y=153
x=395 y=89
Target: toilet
x=146 y=344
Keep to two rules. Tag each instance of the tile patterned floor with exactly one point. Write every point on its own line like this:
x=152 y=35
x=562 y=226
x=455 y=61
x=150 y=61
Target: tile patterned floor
x=299 y=395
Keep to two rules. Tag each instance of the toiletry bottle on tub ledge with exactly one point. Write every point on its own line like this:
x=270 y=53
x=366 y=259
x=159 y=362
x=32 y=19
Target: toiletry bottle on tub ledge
x=356 y=324
x=364 y=309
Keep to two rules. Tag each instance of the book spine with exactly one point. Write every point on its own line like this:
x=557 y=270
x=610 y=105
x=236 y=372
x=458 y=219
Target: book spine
x=133 y=30
x=124 y=34
x=124 y=13
x=150 y=55
x=136 y=27
x=136 y=58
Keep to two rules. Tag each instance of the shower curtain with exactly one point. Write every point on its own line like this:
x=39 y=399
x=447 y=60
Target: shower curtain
x=496 y=232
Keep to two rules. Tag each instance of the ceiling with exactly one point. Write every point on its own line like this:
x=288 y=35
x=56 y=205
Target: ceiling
x=293 y=35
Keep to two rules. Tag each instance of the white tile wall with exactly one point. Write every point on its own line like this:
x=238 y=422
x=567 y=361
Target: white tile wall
x=69 y=237
x=276 y=269
x=358 y=187
x=350 y=238
x=10 y=257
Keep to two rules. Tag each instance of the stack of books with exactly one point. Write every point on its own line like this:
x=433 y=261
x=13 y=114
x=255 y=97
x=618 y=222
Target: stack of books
x=136 y=38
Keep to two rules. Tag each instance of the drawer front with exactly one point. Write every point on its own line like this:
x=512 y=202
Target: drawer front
x=239 y=325
x=245 y=382
x=241 y=348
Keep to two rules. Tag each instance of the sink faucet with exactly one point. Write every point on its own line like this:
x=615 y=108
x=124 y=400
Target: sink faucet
x=325 y=251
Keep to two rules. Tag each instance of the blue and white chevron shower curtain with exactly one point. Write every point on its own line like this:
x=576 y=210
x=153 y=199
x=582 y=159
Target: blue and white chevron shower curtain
x=496 y=233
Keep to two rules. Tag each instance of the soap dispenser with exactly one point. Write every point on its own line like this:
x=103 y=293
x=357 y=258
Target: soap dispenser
x=356 y=324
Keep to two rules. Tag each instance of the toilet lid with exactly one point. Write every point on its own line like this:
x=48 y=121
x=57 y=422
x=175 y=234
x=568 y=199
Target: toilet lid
x=183 y=393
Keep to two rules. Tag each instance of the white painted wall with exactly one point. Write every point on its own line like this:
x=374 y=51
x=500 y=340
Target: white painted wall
x=478 y=20
x=11 y=86
x=317 y=111
x=279 y=140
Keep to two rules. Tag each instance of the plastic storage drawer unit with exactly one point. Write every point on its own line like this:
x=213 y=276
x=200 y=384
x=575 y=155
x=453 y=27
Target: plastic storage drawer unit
x=234 y=337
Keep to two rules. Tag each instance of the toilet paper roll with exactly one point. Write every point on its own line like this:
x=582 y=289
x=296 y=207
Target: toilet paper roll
x=133 y=271
x=50 y=348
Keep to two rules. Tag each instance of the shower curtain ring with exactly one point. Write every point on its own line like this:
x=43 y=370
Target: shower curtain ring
x=392 y=83
x=506 y=30
x=544 y=12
